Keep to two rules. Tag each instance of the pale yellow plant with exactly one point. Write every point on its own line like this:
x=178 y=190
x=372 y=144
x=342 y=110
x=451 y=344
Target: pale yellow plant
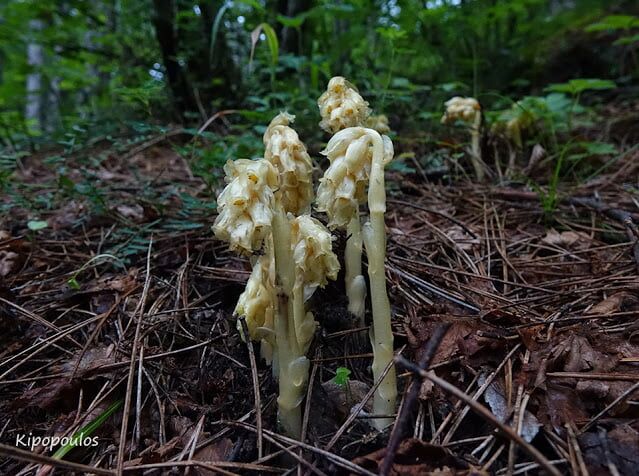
x=467 y=110
x=258 y=304
x=245 y=206
x=358 y=156
x=301 y=263
x=341 y=192
x=341 y=106
x=285 y=150
x=314 y=263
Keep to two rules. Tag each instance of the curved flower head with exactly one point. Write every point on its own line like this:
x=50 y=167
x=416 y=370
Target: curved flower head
x=315 y=263
x=245 y=204
x=459 y=108
x=343 y=187
x=287 y=153
x=256 y=303
x=341 y=106
x=313 y=253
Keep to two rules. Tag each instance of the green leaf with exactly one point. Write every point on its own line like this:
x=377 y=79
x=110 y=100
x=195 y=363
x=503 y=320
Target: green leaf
x=579 y=85
x=87 y=431
x=453 y=86
x=341 y=376
x=615 y=22
x=599 y=148
x=73 y=283
x=214 y=31
x=253 y=3
x=556 y=102
x=273 y=44
x=391 y=34
x=627 y=40
x=292 y=22
x=35 y=225
x=271 y=41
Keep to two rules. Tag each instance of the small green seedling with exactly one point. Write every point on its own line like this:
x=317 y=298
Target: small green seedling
x=35 y=225
x=342 y=375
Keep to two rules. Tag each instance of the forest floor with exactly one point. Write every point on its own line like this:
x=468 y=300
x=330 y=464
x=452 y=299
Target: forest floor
x=542 y=313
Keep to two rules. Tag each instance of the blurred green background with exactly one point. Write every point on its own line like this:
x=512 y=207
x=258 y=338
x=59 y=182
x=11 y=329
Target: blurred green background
x=81 y=68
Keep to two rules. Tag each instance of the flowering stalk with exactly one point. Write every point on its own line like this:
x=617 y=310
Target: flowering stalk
x=341 y=106
x=293 y=366
x=375 y=241
x=358 y=156
x=511 y=123
x=288 y=155
x=303 y=261
x=468 y=110
x=244 y=220
x=355 y=282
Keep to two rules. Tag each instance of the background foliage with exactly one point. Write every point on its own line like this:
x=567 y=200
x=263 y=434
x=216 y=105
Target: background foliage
x=112 y=65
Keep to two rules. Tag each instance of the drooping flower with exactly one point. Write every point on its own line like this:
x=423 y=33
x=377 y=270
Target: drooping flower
x=343 y=187
x=464 y=109
x=287 y=153
x=315 y=263
x=313 y=253
x=245 y=204
x=256 y=303
x=341 y=106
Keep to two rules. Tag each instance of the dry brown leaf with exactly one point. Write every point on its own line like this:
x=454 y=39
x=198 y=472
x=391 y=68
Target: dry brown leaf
x=621 y=301
x=344 y=397
x=460 y=338
x=58 y=389
x=576 y=354
x=531 y=336
x=464 y=240
x=417 y=458
x=560 y=406
x=133 y=212
x=8 y=262
x=216 y=451
x=567 y=239
x=617 y=448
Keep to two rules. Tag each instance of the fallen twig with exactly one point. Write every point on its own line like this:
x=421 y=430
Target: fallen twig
x=403 y=418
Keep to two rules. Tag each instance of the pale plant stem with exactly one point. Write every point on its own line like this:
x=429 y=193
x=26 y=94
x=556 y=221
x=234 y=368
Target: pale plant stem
x=268 y=346
x=355 y=283
x=476 y=147
x=304 y=322
x=293 y=366
x=381 y=332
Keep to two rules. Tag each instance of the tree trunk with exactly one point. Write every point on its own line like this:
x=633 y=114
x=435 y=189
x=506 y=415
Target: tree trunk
x=35 y=59
x=164 y=23
x=292 y=39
